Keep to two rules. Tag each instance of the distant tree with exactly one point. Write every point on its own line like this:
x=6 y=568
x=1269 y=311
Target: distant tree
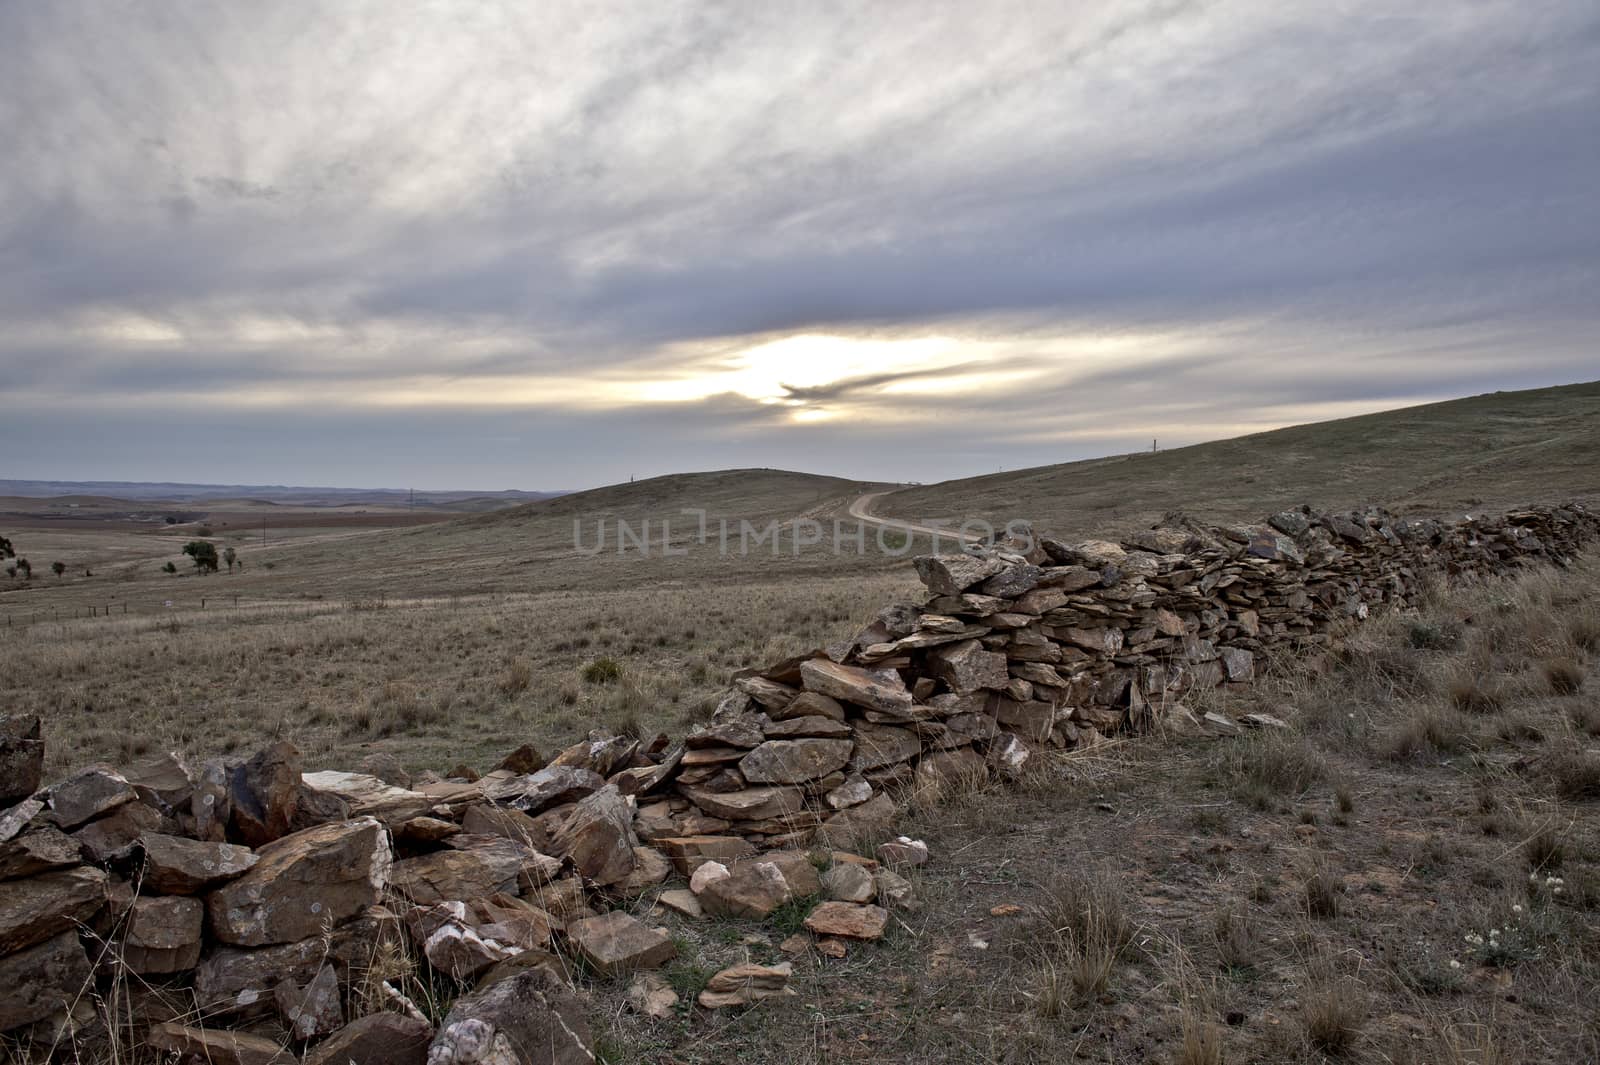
x=5 y=548
x=11 y=571
x=230 y=556
x=58 y=568
x=204 y=553
x=205 y=530
x=25 y=568
x=169 y=568
x=171 y=520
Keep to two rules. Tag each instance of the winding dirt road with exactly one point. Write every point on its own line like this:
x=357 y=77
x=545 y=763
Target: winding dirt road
x=861 y=510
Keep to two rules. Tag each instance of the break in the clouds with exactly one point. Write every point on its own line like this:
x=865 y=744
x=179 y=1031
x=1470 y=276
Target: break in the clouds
x=552 y=245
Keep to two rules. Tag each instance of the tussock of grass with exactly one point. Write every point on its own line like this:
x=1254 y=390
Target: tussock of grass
x=1266 y=767
x=1080 y=928
x=1332 y=1010
x=1574 y=775
x=1564 y=676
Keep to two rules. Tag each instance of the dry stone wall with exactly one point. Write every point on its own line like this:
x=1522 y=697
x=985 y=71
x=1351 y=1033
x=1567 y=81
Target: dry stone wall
x=248 y=910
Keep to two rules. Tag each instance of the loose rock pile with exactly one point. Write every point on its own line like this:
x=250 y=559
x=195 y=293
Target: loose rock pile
x=249 y=911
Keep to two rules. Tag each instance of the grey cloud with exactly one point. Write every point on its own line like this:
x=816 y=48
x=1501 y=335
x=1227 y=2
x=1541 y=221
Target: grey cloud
x=1352 y=206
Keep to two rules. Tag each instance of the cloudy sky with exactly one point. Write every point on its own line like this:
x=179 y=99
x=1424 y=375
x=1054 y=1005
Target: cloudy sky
x=552 y=245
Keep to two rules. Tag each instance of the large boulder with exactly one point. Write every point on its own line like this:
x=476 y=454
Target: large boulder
x=879 y=746
x=954 y=574
x=42 y=980
x=530 y=1018
x=303 y=883
x=490 y=864
x=748 y=804
x=751 y=889
x=35 y=909
x=21 y=757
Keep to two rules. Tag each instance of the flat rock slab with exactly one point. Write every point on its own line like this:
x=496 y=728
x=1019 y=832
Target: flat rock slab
x=848 y=921
x=39 y=851
x=163 y=935
x=874 y=689
x=39 y=907
x=216 y=1045
x=87 y=794
x=369 y=796
x=744 y=984
x=749 y=804
x=617 y=942
x=796 y=761
x=302 y=883
x=377 y=1039
x=751 y=889
x=178 y=866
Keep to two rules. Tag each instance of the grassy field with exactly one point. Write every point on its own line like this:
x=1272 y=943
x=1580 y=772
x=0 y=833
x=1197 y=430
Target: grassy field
x=1490 y=452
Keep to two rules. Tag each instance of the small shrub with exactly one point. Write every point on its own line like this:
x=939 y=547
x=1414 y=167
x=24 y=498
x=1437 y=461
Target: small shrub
x=1262 y=769
x=1081 y=928
x=1235 y=941
x=516 y=678
x=1583 y=629
x=1433 y=636
x=1322 y=893
x=1544 y=849
x=1428 y=732
x=1563 y=676
x=1332 y=1010
x=1476 y=692
x=602 y=671
x=1574 y=774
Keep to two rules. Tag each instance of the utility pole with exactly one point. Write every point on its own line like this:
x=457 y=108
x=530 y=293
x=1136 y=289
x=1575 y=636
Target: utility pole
x=1152 y=445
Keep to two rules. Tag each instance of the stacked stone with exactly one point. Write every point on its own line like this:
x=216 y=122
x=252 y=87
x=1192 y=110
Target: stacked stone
x=264 y=896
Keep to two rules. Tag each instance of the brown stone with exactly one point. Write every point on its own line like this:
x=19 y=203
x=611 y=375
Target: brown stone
x=163 y=935
x=853 y=792
x=42 y=980
x=303 y=882
x=39 y=851
x=617 y=942
x=745 y=984
x=87 y=794
x=967 y=667
x=376 y=1039
x=462 y=939
x=369 y=796
x=682 y=900
x=485 y=820
x=598 y=838
x=113 y=837
x=651 y=994
x=313 y=1010
x=234 y=982
x=21 y=757
x=416 y=831
x=650 y=867
x=752 y=889
x=848 y=882
x=814 y=725
x=216 y=1046
x=848 y=921
x=688 y=853
x=162 y=780
x=554 y=785
x=878 y=746
x=954 y=574
x=209 y=805
x=264 y=793
x=467 y=873
x=178 y=866
x=784 y=761
x=529 y=1018
x=386 y=767
x=741 y=732
x=750 y=804
x=876 y=813
x=875 y=689
x=37 y=908
x=811 y=704
x=522 y=761
x=600 y=754
x=903 y=851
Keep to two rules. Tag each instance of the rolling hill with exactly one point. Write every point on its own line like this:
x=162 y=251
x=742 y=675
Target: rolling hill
x=1491 y=451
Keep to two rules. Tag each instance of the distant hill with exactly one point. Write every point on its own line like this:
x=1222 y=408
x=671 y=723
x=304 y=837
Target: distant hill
x=1486 y=452
x=117 y=492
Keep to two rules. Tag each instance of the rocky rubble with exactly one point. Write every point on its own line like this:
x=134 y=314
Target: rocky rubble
x=266 y=894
